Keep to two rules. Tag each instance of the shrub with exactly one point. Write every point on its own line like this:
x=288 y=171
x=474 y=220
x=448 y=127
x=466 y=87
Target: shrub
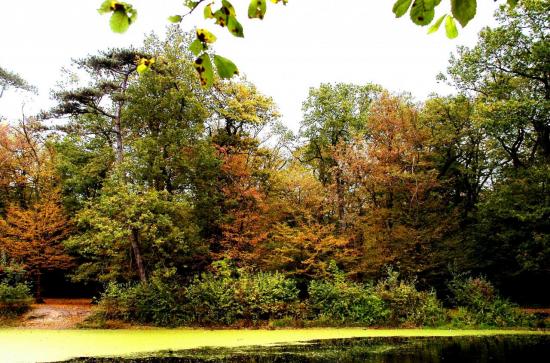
x=211 y=299
x=159 y=302
x=407 y=305
x=14 y=300
x=480 y=305
x=342 y=301
x=221 y=299
x=266 y=296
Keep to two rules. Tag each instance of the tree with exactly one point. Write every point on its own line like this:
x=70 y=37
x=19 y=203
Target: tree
x=305 y=251
x=130 y=231
x=396 y=211
x=27 y=163
x=13 y=80
x=334 y=114
x=506 y=76
x=104 y=100
x=461 y=150
x=34 y=237
x=508 y=71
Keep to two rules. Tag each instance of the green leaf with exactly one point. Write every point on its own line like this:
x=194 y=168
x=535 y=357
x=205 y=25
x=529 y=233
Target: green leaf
x=203 y=66
x=400 y=7
x=175 y=19
x=221 y=18
x=226 y=68
x=450 y=28
x=142 y=68
x=120 y=22
x=436 y=25
x=463 y=10
x=512 y=3
x=205 y=36
x=422 y=11
x=196 y=47
x=230 y=9
x=106 y=7
x=257 y=9
x=235 y=27
x=208 y=12
x=190 y=4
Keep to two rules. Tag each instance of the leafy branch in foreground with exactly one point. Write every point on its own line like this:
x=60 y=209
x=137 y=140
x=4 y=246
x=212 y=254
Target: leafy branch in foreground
x=421 y=12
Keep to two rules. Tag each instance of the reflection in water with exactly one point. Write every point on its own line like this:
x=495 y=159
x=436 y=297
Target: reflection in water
x=524 y=349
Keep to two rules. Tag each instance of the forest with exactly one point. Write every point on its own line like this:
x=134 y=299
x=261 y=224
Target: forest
x=174 y=204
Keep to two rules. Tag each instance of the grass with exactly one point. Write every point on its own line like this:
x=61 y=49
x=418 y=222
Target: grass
x=23 y=345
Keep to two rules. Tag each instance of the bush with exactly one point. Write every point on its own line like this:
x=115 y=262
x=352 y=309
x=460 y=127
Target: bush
x=221 y=299
x=211 y=299
x=407 y=305
x=480 y=305
x=159 y=302
x=340 y=301
x=267 y=296
x=14 y=300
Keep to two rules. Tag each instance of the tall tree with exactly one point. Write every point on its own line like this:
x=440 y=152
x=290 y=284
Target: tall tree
x=508 y=70
x=334 y=114
x=103 y=101
x=398 y=216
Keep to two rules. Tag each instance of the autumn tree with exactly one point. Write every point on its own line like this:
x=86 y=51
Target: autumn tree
x=27 y=163
x=396 y=212
x=34 y=237
x=334 y=114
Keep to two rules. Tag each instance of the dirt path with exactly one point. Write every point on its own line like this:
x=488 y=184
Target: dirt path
x=57 y=314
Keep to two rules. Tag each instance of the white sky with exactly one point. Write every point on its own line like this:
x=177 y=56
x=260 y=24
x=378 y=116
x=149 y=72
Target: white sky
x=295 y=47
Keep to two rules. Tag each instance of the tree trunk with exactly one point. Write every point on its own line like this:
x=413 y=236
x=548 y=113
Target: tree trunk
x=38 y=288
x=340 y=201
x=119 y=145
x=118 y=121
x=137 y=255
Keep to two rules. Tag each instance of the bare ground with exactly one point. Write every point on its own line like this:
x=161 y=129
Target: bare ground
x=57 y=314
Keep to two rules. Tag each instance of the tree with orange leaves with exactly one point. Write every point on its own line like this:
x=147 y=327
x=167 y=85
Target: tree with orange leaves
x=395 y=207
x=34 y=237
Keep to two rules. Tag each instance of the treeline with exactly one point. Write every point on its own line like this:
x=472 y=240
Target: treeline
x=152 y=175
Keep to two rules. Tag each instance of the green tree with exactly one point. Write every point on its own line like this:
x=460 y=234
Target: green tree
x=13 y=80
x=508 y=71
x=129 y=232
x=102 y=103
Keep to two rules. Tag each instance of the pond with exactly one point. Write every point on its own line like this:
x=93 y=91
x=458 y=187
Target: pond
x=481 y=349
x=292 y=345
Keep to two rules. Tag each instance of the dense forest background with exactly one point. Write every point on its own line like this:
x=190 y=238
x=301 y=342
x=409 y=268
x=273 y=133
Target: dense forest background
x=133 y=177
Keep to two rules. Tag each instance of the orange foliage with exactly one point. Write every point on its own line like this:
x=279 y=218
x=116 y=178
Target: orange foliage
x=245 y=225
x=34 y=236
x=392 y=201
x=306 y=250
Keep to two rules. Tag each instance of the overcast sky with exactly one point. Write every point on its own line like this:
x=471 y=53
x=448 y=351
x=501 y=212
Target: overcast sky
x=296 y=47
